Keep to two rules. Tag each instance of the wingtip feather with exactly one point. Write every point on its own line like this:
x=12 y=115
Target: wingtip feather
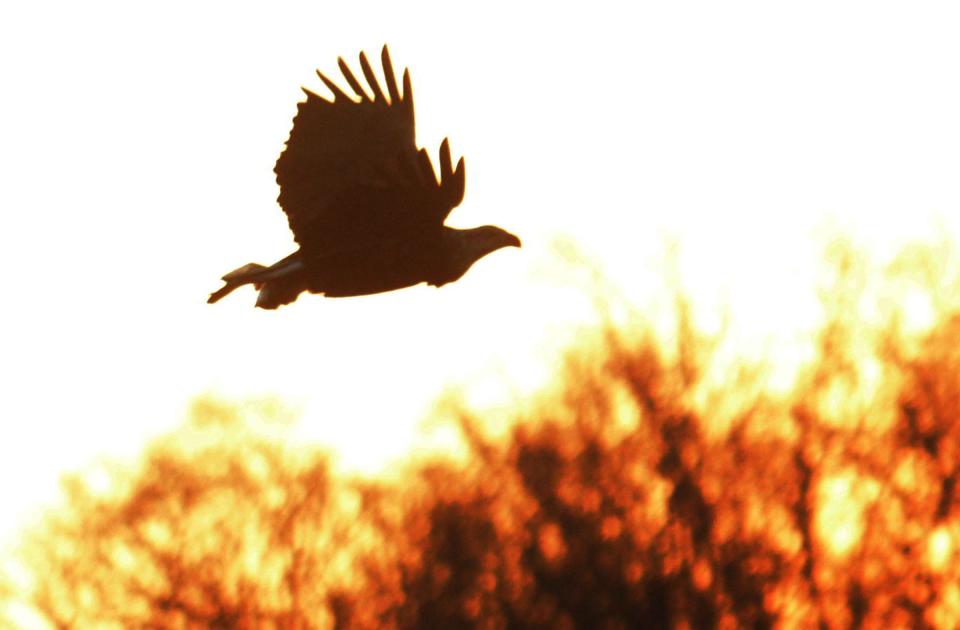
x=389 y=76
x=333 y=87
x=351 y=79
x=427 y=167
x=407 y=88
x=446 y=166
x=460 y=174
x=371 y=79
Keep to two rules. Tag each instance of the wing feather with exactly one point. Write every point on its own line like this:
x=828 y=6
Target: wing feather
x=352 y=80
x=371 y=79
x=407 y=92
x=446 y=168
x=427 y=175
x=388 y=75
x=458 y=184
x=333 y=87
x=351 y=174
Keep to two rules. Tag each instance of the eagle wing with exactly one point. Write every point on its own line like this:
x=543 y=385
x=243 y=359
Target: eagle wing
x=351 y=174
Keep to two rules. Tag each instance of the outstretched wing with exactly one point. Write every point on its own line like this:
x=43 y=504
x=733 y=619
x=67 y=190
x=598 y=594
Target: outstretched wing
x=351 y=174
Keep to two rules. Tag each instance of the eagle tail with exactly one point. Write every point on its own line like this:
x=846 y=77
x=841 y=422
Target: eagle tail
x=247 y=274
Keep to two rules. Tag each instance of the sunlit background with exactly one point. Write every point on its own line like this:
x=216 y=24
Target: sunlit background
x=136 y=155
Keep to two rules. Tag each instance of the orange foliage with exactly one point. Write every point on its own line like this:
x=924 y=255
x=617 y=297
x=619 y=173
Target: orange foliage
x=835 y=506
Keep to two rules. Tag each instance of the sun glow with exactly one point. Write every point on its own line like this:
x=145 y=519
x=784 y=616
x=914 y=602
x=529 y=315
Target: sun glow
x=738 y=184
x=939 y=548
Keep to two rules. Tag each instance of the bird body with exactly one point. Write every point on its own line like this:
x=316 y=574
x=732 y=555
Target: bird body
x=364 y=202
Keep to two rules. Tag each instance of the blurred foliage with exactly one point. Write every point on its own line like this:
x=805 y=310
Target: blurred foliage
x=615 y=503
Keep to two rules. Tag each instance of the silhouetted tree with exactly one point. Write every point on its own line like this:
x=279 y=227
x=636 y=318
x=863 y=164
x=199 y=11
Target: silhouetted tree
x=641 y=493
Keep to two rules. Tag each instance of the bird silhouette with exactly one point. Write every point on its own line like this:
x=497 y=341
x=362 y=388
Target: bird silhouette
x=363 y=202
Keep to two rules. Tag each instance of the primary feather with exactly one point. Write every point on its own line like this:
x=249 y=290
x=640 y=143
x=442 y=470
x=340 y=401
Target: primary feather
x=363 y=202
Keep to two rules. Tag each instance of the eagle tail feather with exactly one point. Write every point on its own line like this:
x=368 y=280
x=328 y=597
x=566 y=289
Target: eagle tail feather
x=248 y=274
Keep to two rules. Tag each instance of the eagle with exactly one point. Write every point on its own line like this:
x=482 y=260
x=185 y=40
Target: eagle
x=364 y=203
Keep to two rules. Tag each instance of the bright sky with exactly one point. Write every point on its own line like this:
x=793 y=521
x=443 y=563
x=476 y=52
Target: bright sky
x=136 y=155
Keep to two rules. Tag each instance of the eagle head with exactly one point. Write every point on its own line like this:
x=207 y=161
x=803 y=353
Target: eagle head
x=466 y=247
x=480 y=241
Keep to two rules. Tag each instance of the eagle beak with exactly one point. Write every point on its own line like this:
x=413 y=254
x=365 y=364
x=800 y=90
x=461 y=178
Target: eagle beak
x=511 y=240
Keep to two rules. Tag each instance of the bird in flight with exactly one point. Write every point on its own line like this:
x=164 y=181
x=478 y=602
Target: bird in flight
x=363 y=202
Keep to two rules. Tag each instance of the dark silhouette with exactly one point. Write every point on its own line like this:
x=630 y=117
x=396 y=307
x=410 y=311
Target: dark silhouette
x=363 y=202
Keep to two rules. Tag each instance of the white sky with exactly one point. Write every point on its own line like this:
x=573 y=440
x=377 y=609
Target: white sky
x=136 y=155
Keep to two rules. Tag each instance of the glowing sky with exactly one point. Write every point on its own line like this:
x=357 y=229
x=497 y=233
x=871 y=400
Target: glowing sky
x=136 y=155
